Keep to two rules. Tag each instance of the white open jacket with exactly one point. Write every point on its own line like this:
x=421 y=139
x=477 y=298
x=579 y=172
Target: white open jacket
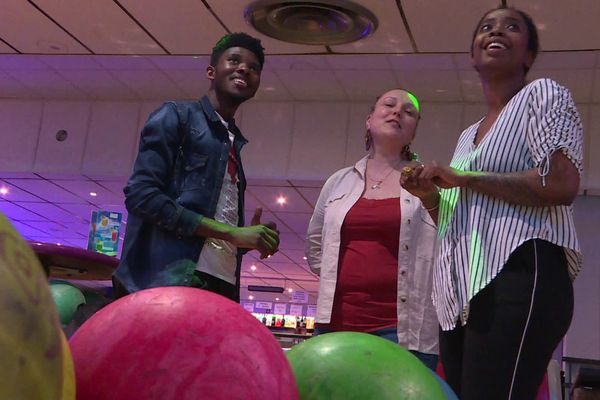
x=417 y=320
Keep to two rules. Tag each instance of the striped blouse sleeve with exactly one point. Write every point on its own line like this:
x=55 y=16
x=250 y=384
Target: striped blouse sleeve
x=554 y=124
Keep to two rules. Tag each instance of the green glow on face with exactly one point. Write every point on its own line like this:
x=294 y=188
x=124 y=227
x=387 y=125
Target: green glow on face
x=414 y=100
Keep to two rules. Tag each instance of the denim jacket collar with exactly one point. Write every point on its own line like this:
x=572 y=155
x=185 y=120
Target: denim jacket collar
x=211 y=114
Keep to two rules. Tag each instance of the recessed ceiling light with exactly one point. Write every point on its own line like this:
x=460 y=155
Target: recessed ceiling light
x=281 y=200
x=3 y=190
x=251 y=297
x=276 y=298
x=304 y=258
x=93 y=194
x=290 y=290
x=253 y=267
x=318 y=22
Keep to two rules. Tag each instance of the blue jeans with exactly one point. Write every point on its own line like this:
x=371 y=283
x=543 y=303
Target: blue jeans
x=391 y=334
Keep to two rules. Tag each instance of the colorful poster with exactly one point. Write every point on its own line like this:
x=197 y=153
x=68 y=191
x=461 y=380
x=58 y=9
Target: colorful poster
x=104 y=232
x=248 y=306
x=280 y=308
x=296 y=310
x=299 y=297
x=264 y=305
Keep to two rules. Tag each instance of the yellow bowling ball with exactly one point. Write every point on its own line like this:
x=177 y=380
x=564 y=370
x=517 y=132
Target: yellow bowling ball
x=31 y=352
x=68 y=372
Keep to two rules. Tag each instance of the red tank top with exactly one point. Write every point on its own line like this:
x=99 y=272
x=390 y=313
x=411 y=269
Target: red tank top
x=366 y=291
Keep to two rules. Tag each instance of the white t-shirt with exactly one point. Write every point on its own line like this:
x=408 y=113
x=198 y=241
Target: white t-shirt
x=219 y=257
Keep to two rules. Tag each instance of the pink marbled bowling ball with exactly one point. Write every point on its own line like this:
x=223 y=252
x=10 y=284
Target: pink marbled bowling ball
x=178 y=343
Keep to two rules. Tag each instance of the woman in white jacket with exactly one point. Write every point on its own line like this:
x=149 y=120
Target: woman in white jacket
x=372 y=236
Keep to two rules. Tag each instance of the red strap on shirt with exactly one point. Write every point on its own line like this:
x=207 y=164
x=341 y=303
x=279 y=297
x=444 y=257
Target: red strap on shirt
x=232 y=165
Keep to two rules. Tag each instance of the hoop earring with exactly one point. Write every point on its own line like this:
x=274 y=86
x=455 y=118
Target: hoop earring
x=409 y=155
x=368 y=140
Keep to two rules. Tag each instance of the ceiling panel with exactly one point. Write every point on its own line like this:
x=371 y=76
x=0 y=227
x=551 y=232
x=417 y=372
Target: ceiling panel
x=30 y=31
x=271 y=88
x=312 y=85
x=310 y=194
x=71 y=62
x=14 y=193
x=178 y=25
x=46 y=189
x=390 y=36
x=566 y=60
x=23 y=62
x=296 y=222
x=307 y=62
x=293 y=201
x=291 y=241
x=24 y=228
x=5 y=49
x=593 y=175
x=596 y=88
x=577 y=81
x=101 y=25
x=47 y=84
x=358 y=62
x=470 y=86
x=50 y=211
x=231 y=12
x=419 y=62
x=559 y=29
x=83 y=189
x=431 y=85
x=192 y=84
x=17 y=212
x=149 y=85
x=366 y=85
x=99 y=84
x=13 y=89
x=196 y=63
x=435 y=31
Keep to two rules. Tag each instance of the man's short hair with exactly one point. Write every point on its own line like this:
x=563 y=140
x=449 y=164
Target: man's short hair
x=238 y=39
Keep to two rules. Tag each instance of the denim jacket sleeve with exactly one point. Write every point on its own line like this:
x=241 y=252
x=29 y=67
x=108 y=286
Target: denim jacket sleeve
x=146 y=193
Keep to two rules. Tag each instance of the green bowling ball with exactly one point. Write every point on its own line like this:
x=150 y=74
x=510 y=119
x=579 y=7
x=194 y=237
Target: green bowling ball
x=67 y=299
x=350 y=365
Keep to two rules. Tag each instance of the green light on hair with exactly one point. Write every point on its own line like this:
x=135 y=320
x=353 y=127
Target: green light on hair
x=222 y=42
x=414 y=100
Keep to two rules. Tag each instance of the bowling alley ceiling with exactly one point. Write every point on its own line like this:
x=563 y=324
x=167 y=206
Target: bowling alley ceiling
x=156 y=49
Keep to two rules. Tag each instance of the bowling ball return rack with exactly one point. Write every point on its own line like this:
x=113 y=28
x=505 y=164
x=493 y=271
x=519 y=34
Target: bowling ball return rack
x=73 y=263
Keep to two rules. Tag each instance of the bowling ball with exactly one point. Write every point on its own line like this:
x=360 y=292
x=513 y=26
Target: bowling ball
x=68 y=373
x=67 y=298
x=178 y=343
x=350 y=365
x=31 y=362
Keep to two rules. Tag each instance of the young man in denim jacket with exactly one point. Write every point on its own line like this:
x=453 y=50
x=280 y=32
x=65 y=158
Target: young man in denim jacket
x=185 y=197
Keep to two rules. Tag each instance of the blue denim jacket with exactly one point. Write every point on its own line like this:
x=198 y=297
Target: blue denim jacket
x=176 y=181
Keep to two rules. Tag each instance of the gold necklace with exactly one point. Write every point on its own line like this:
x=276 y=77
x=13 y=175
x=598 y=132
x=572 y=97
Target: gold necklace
x=377 y=182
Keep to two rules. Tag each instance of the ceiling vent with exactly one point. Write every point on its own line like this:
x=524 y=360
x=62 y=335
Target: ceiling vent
x=311 y=22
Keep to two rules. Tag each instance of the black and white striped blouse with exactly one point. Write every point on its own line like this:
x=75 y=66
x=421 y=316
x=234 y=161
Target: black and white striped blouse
x=478 y=232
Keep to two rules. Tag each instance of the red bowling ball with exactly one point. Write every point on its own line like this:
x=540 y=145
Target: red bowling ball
x=178 y=343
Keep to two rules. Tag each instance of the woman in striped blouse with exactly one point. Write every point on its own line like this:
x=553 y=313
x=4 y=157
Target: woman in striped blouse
x=507 y=243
